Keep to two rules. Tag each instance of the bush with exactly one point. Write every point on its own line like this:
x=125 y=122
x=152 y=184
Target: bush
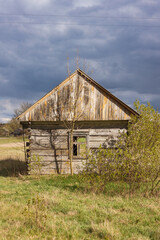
x=100 y=168
x=140 y=158
x=135 y=158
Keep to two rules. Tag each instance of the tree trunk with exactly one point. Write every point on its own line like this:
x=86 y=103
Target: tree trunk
x=71 y=151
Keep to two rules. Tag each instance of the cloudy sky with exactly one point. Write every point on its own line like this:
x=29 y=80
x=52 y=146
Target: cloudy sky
x=119 y=40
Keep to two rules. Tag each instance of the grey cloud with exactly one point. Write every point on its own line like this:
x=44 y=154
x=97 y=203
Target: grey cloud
x=33 y=58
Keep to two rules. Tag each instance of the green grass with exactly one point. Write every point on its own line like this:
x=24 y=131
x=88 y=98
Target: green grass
x=58 y=207
x=65 y=211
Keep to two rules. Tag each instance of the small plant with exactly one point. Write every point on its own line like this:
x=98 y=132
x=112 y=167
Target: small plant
x=35 y=164
x=36 y=212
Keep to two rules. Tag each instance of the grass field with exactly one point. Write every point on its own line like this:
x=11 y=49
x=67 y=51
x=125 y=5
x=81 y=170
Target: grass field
x=4 y=140
x=12 y=156
x=57 y=207
x=11 y=148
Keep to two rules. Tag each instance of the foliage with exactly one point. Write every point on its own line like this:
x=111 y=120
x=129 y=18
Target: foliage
x=13 y=125
x=140 y=158
x=35 y=164
x=136 y=157
x=3 y=130
x=36 y=212
x=99 y=168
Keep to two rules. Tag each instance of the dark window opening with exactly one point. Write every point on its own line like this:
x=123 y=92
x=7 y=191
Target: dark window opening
x=79 y=146
x=74 y=146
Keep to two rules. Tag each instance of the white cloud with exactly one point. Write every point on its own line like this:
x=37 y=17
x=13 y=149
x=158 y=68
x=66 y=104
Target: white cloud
x=36 y=4
x=149 y=2
x=7 y=106
x=86 y=3
x=4 y=120
x=129 y=11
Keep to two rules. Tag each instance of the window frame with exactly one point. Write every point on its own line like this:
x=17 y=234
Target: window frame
x=84 y=134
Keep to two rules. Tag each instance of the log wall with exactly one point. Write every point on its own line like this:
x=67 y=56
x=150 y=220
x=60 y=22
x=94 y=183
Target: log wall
x=51 y=146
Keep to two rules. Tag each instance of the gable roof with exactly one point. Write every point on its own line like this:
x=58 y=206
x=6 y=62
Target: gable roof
x=88 y=79
x=108 y=93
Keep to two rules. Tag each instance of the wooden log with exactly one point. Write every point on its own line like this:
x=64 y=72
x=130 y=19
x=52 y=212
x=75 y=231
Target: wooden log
x=60 y=167
x=50 y=152
x=45 y=132
x=48 y=146
x=50 y=158
x=110 y=131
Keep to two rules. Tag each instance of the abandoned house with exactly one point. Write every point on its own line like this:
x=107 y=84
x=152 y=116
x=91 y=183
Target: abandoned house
x=80 y=106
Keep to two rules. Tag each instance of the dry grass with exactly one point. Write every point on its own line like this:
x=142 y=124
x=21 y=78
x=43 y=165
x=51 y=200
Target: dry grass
x=11 y=147
x=12 y=156
x=56 y=207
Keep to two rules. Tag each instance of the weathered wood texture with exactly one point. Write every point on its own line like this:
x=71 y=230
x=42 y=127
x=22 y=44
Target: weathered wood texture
x=98 y=116
x=92 y=103
x=52 y=146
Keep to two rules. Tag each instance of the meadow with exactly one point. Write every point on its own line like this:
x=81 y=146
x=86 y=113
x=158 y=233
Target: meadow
x=59 y=207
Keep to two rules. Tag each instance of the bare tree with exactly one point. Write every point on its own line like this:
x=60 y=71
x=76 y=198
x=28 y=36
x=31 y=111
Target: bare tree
x=22 y=108
x=70 y=109
x=75 y=110
x=73 y=113
x=76 y=115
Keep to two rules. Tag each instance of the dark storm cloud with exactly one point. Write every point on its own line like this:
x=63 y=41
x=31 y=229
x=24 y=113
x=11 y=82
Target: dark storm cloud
x=123 y=52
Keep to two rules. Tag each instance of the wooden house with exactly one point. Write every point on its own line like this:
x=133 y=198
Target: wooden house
x=96 y=115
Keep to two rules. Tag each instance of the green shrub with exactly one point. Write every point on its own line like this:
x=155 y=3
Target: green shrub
x=135 y=158
x=99 y=169
x=139 y=160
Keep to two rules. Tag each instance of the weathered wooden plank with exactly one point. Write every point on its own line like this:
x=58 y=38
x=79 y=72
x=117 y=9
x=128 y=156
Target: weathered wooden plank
x=53 y=158
x=48 y=147
x=50 y=164
x=60 y=162
x=105 y=132
x=49 y=152
x=45 y=132
x=106 y=143
x=47 y=138
x=49 y=158
x=40 y=142
x=56 y=103
x=54 y=125
x=106 y=140
x=59 y=167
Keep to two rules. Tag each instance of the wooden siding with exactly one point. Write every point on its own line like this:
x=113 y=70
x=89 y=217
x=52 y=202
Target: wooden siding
x=52 y=145
x=93 y=103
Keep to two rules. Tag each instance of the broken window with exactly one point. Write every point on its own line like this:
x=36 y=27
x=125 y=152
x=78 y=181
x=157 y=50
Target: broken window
x=79 y=146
